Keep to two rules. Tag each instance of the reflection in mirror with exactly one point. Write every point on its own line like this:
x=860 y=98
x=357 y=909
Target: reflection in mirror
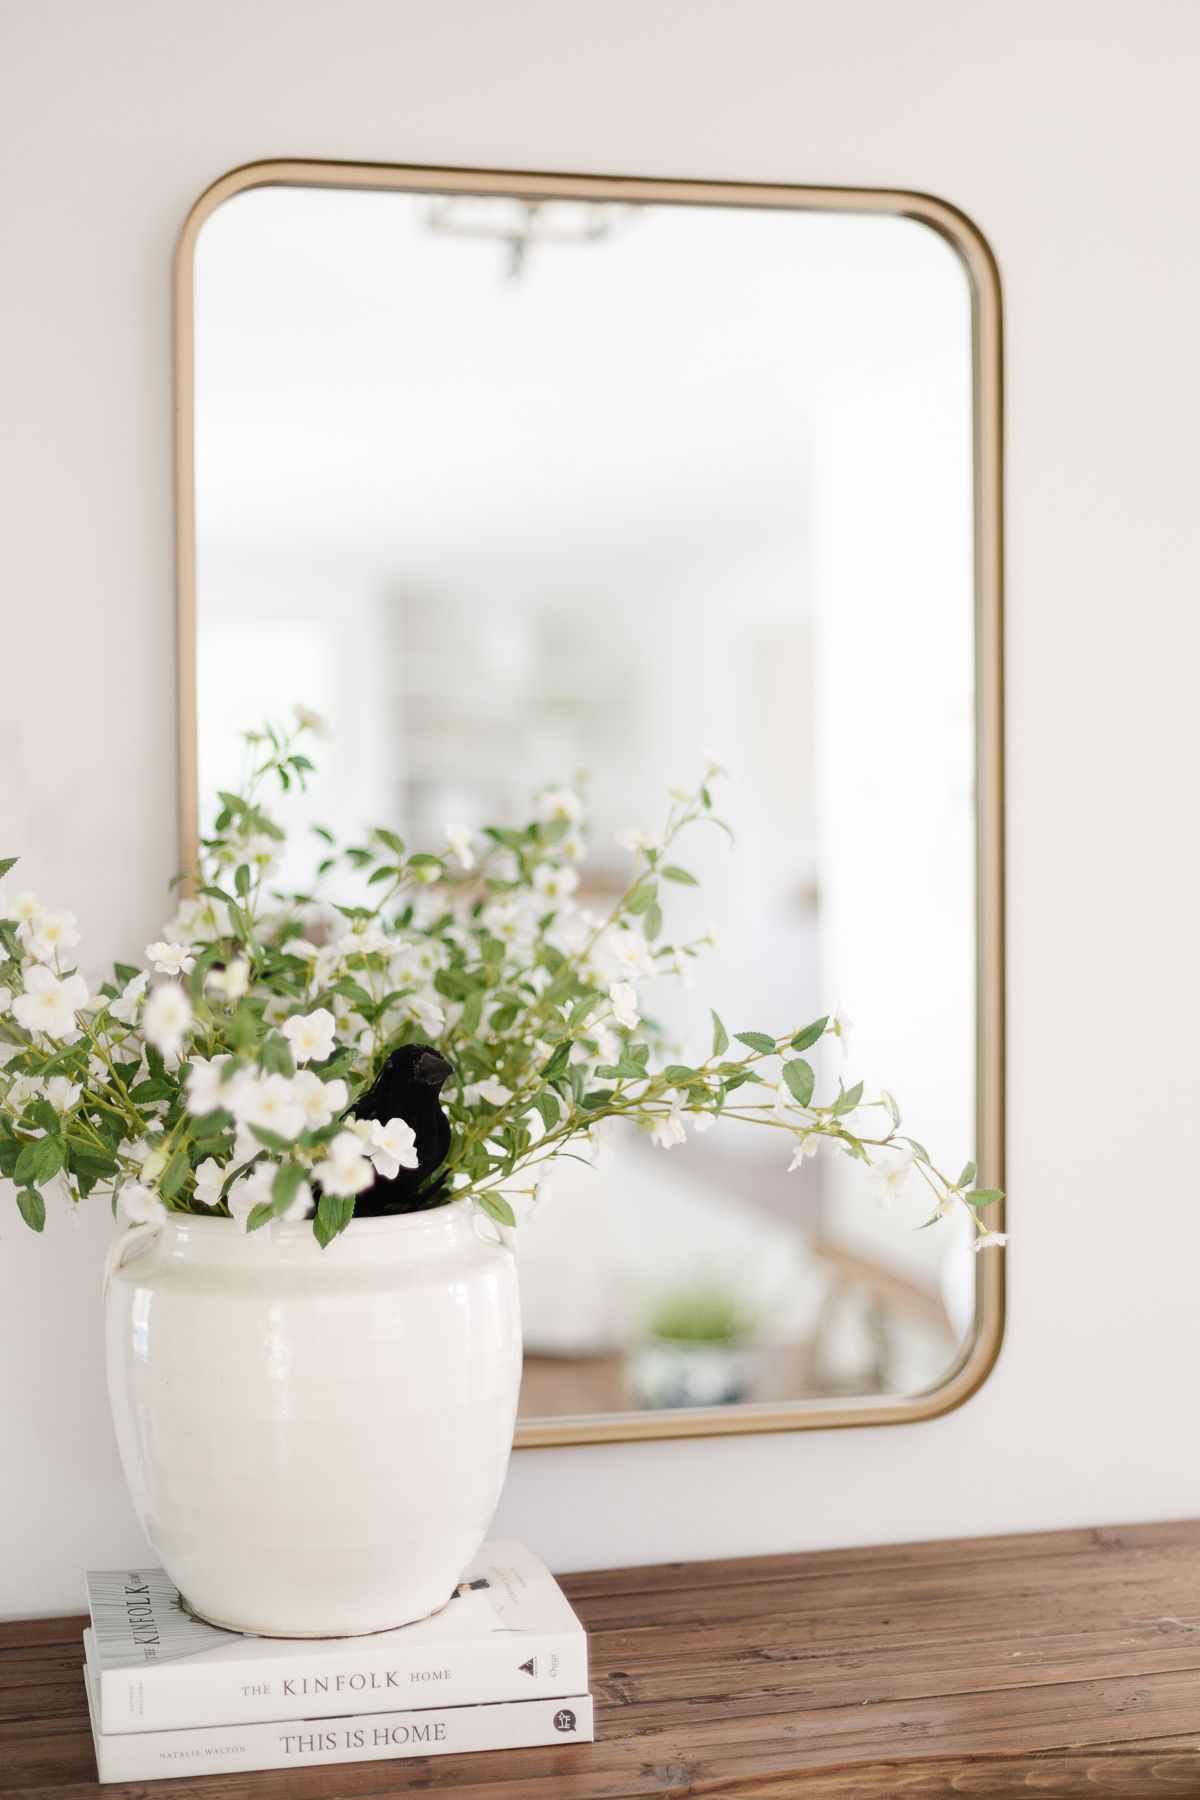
x=507 y=489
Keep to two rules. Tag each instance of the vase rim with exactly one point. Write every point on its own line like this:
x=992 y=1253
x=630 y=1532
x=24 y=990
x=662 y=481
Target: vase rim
x=282 y=1230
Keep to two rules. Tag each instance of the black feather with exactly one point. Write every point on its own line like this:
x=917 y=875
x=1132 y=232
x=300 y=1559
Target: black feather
x=407 y=1087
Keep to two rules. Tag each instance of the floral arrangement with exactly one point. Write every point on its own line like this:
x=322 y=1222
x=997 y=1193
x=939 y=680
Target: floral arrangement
x=239 y=1073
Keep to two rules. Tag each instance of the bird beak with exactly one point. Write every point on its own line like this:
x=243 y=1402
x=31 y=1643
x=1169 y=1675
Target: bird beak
x=432 y=1068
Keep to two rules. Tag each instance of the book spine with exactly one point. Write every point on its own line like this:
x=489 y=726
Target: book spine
x=500 y=1668
x=152 y=1755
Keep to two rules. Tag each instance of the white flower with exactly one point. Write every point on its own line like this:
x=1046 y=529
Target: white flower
x=630 y=953
x=712 y=766
x=63 y=1093
x=125 y=1008
x=232 y=982
x=311 y=1035
x=171 y=959
x=989 y=1240
x=50 y=933
x=261 y=852
x=371 y=941
x=784 y=1100
x=562 y=804
x=308 y=720
x=458 y=843
x=892 y=1176
x=702 y=1121
x=712 y=935
x=210 y=1178
x=250 y=1191
x=596 y=1148
x=841 y=1026
x=572 y=848
x=200 y=921
x=26 y=909
x=681 y=968
x=427 y=1013
x=50 y=1002
x=6 y=996
x=346 y=1169
x=327 y=964
x=554 y=883
x=624 y=1004
x=668 y=1127
x=270 y=1104
x=490 y=1089
x=167 y=1018
x=320 y=1100
x=213 y=1084
x=141 y=1205
x=806 y=1146
x=631 y=837
x=24 y=1088
x=512 y=921
x=392 y=1147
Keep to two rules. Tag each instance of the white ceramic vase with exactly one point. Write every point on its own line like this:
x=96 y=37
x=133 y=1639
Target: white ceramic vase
x=315 y=1440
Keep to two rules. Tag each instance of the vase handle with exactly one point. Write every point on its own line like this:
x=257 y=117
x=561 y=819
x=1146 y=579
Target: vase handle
x=135 y=1240
x=504 y=1233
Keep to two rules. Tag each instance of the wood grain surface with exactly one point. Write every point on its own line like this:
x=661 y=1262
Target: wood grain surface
x=1060 y=1664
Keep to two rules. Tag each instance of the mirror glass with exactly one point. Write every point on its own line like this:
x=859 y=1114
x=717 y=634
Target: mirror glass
x=509 y=489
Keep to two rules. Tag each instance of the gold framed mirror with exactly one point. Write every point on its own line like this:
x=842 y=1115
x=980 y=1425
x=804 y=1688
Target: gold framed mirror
x=464 y=450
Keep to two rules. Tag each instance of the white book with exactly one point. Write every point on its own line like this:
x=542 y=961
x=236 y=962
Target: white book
x=508 y=1635
x=291 y=1743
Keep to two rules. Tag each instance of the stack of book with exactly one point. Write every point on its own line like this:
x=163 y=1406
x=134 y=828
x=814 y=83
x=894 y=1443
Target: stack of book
x=502 y=1665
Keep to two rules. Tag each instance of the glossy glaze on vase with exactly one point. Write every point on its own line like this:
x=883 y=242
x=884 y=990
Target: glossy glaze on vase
x=315 y=1440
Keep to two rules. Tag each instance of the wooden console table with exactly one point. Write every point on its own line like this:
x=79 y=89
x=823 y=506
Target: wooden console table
x=1061 y=1664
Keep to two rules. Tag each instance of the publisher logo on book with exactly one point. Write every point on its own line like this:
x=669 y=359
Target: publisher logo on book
x=564 y=1719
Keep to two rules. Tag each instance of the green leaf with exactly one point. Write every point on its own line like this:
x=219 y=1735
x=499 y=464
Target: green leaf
x=581 y=1009
x=848 y=1099
x=680 y=1075
x=394 y=844
x=333 y=1216
x=983 y=1196
x=38 y=1162
x=548 y=1108
x=595 y=1098
x=720 y=1037
x=260 y=1215
x=894 y=1110
x=642 y=898
x=275 y=1055
x=7 y=864
x=557 y=1063
x=756 y=1040
x=672 y=872
x=270 y=1140
x=967 y=1176
x=800 y=1079
x=497 y=1207
x=174 y=1175
x=30 y=1205
x=919 y=1151
x=652 y=922
x=804 y=1040
x=285 y=1185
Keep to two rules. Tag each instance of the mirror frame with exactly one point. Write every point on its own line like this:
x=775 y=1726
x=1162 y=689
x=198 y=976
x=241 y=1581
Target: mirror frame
x=978 y=1354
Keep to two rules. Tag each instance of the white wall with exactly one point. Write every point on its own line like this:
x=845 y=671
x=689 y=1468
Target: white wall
x=1068 y=130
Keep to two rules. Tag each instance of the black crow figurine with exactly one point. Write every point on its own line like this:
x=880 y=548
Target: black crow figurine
x=407 y=1087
